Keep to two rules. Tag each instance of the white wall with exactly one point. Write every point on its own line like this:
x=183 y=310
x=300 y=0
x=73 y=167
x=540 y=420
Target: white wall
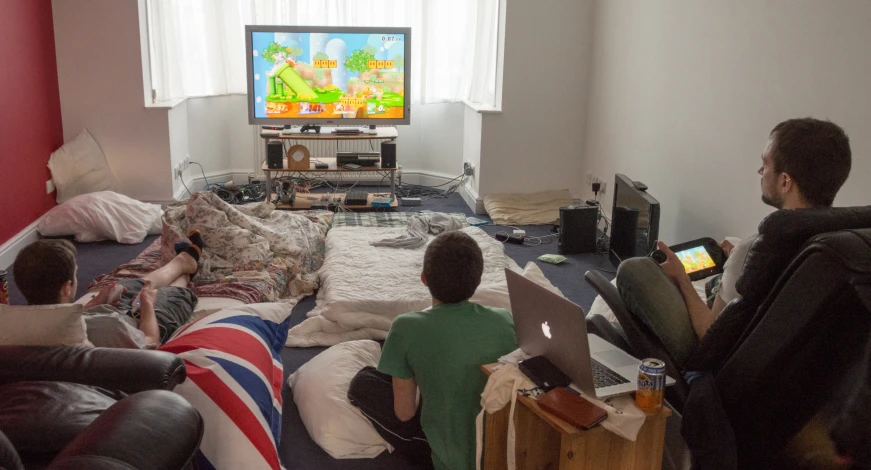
x=684 y=94
x=100 y=80
x=179 y=145
x=536 y=142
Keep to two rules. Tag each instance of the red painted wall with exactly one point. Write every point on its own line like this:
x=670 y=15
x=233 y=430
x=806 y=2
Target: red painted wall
x=30 y=119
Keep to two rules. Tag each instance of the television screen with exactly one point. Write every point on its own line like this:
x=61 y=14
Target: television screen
x=634 y=221
x=318 y=75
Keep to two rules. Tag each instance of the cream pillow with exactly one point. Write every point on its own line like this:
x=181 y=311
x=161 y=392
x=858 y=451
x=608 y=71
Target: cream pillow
x=43 y=325
x=80 y=167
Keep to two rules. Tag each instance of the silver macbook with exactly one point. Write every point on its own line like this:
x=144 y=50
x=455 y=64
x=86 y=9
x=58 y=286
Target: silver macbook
x=551 y=326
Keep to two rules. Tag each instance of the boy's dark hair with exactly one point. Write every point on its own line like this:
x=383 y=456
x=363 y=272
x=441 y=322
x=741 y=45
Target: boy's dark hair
x=453 y=265
x=816 y=154
x=42 y=268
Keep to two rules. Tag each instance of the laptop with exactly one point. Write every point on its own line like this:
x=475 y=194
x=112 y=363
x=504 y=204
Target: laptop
x=552 y=326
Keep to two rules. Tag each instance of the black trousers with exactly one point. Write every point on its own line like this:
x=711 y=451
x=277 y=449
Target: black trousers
x=372 y=392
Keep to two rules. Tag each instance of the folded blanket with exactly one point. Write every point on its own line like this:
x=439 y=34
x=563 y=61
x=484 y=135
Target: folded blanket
x=418 y=229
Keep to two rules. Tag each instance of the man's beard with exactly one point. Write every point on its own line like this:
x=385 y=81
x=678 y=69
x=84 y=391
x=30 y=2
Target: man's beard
x=773 y=202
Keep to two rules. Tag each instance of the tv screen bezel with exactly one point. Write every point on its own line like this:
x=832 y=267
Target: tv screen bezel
x=249 y=60
x=652 y=211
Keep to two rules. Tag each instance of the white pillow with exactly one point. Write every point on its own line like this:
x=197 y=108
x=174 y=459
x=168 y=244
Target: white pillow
x=320 y=391
x=496 y=295
x=104 y=215
x=79 y=167
x=43 y=325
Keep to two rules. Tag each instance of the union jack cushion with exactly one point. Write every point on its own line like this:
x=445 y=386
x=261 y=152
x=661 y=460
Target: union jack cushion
x=234 y=379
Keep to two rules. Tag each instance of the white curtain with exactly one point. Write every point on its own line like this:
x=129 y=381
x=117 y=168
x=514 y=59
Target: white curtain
x=197 y=47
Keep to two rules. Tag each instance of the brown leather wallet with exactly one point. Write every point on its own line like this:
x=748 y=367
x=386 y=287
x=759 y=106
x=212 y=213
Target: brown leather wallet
x=572 y=408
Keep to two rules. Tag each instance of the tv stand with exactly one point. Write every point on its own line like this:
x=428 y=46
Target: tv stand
x=311 y=127
x=304 y=202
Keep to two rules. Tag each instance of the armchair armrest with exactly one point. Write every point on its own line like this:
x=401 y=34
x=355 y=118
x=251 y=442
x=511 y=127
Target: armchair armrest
x=127 y=370
x=153 y=429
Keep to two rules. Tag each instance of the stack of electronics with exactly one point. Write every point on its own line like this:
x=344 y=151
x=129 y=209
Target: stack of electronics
x=358 y=158
x=356 y=198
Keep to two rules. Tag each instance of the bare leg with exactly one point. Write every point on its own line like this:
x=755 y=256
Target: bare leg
x=181 y=281
x=182 y=264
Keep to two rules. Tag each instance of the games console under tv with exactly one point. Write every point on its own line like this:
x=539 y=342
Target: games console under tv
x=299 y=75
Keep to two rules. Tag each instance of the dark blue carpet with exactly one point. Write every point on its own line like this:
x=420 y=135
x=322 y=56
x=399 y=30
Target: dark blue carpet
x=297 y=449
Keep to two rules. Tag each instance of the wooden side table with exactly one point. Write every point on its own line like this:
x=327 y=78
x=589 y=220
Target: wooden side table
x=543 y=441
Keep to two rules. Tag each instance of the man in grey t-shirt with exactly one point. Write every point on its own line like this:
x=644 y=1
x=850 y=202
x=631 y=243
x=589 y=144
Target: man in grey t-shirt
x=804 y=164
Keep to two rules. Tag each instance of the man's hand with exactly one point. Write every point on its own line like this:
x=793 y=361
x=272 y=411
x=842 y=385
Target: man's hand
x=726 y=246
x=672 y=266
x=108 y=295
x=147 y=295
x=147 y=318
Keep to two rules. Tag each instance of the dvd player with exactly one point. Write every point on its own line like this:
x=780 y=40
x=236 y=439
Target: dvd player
x=358 y=158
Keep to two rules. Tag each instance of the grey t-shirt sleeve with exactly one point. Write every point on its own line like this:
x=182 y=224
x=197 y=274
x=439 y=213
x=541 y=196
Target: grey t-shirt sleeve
x=733 y=268
x=109 y=328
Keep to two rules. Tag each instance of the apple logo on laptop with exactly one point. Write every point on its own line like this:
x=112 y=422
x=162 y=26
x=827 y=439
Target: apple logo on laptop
x=545 y=329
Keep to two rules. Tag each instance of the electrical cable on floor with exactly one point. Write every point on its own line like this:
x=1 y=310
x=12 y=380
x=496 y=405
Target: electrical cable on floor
x=203 y=171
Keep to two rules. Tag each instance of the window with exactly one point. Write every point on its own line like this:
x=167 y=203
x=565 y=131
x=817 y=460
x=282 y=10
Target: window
x=197 y=47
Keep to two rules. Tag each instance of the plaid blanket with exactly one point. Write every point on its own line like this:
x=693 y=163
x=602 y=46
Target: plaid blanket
x=381 y=219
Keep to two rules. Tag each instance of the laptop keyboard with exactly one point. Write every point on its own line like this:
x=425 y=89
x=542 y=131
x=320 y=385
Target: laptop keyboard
x=605 y=377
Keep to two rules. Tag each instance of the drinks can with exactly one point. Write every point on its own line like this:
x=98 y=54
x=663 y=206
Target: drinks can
x=651 y=385
x=4 y=288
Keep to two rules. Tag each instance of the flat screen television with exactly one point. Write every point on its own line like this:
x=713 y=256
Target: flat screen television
x=634 y=220
x=300 y=75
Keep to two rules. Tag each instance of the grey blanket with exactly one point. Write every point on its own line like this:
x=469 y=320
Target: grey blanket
x=418 y=229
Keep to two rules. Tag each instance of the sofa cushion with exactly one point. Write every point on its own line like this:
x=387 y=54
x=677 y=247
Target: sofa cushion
x=43 y=417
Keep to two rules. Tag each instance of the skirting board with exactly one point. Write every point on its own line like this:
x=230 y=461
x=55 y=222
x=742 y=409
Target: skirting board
x=10 y=249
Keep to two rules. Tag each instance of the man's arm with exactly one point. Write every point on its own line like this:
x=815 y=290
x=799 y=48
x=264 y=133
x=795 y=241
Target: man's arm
x=404 y=398
x=147 y=318
x=701 y=316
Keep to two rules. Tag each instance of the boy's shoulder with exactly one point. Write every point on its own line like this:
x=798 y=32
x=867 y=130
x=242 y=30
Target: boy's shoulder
x=432 y=315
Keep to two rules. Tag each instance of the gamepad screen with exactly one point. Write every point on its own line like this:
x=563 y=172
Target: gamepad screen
x=695 y=259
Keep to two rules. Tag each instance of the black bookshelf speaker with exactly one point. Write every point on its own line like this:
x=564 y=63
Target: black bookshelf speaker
x=388 y=154
x=577 y=229
x=274 y=155
x=624 y=235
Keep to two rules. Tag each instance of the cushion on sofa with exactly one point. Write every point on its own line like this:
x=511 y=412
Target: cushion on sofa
x=43 y=417
x=43 y=325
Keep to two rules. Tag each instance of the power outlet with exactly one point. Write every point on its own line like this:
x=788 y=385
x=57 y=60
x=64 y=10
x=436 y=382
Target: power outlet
x=468 y=168
x=49 y=187
x=589 y=177
x=602 y=188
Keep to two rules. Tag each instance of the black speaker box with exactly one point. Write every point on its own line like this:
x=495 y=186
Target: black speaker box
x=388 y=154
x=577 y=229
x=624 y=234
x=274 y=155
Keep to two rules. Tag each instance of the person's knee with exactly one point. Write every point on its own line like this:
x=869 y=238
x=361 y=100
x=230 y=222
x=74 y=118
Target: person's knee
x=638 y=271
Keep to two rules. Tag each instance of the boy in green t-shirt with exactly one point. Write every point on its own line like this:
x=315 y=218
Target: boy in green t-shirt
x=441 y=350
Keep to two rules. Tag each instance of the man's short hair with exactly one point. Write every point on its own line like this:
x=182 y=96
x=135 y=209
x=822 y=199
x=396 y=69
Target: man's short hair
x=453 y=265
x=816 y=154
x=42 y=268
